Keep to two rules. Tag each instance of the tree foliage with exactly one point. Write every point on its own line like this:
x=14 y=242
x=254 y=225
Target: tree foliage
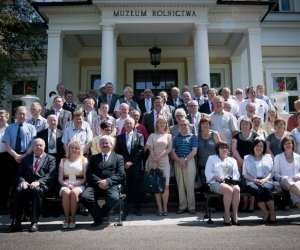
x=22 y=40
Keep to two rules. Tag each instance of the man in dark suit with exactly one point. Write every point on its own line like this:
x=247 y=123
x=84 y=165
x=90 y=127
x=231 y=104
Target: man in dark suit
x=69 y=104
x=105 y=171
x=175 y=101
x=146 y=104
x=207 y=107
x=109 y=97
x=131 y=145
x=34 y=178
x=150 y=118
x=63 y=115
x=53 y=145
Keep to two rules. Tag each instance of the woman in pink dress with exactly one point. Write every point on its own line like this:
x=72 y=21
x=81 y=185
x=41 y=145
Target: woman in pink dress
x=72 y=179
x=160 y=145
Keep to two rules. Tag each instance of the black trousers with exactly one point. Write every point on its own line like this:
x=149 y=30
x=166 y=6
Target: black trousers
x=22 y=196
x=89 y=200
x=133 y=186
x=6 y=181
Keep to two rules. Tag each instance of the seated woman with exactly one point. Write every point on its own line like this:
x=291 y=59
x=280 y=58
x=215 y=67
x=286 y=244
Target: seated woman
x=287 y=169
x=72 y=179
x=258 y=173
x=222 y=175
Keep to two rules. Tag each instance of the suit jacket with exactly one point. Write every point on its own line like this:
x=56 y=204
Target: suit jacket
x=63 y=118
x=142 y=106
x=205 y=107
x=112 y=170
x=94 y=116
x=148 y=120
x=182 y=106
x=171 y=102
x=44 y=173
x=60 y=152
x=137 y=149
x=71 y=109
x=114 y=98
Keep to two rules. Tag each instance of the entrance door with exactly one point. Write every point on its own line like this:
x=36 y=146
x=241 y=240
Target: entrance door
x=156 y=80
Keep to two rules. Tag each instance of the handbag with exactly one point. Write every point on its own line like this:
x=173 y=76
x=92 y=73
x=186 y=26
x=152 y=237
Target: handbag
x=154 y=181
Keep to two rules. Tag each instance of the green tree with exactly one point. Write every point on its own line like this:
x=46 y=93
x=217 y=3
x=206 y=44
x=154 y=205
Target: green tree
x=22 y=41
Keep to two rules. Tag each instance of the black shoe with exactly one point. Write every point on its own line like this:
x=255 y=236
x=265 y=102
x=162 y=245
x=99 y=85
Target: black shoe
x=227 y=223
x=16 y=228
x=97 y=223
x=33 y=228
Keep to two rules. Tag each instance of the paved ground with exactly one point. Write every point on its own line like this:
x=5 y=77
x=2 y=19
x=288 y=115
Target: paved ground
x=152 y=232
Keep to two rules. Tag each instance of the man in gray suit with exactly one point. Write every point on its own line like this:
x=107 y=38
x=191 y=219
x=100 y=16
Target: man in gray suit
x=63 y=115
x=150 y=118
x=109 y=97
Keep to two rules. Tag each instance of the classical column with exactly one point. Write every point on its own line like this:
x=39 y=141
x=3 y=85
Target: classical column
x=255 y=67
x=236 y=72
x=54 y=60
x=201 y=54
x=108 y=54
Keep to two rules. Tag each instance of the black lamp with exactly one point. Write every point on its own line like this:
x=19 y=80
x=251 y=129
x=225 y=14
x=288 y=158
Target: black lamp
x=155 y=55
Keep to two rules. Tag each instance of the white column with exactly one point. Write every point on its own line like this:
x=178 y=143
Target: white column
x=201 y=54
x=108 y=54
x=190 y=71
x=54 y=60
x=236 y=72
x=255 y=67
x=115 y=58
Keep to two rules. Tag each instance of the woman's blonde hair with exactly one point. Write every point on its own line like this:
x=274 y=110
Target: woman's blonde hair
x=76 y=143
x=167 y=125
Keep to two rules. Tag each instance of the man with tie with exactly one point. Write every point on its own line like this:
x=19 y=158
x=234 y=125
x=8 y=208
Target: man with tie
x=198 y=94
x=146 y=104
x=109 y=97
x=63 y=115
x=69 y=104
x=205 y=89
x=36 y=119
x=17 y=138
x=131 y=145
x=175 y=100
x=34 y=177
x=150 y=118
x=89 y=113
x=53 y=145
x=105 y=171
x=208 y=106
x=194 y=116
x=186 y=98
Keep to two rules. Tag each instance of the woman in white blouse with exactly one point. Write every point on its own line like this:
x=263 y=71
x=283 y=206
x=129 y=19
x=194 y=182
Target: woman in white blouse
x=222 y=175
x=287 y=169
x=258 y=171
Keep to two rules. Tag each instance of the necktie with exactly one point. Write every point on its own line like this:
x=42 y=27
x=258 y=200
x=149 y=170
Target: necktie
x=198 y=100
x=175 y=103
x=36 y=164
x=33 y=122
x=212 y=107
x=18 y=139
x=51 y=143
x=194 y=120
x=157 y=115
x=108 y=99
x=128 y=143
x=104 y=158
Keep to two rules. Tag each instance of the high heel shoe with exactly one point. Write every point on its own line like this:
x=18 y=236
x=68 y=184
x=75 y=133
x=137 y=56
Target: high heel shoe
x=265 y=221
x=225 y=223
x=234 y=222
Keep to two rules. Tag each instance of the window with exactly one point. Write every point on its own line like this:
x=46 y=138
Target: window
x=95 y=81
x=157 y=80
x=290 y=84
x=24 y=88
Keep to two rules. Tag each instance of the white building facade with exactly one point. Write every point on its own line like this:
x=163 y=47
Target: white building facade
x=221 y=43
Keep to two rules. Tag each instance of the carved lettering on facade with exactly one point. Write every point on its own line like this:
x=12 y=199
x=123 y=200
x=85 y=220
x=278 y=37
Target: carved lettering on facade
x=154 y=13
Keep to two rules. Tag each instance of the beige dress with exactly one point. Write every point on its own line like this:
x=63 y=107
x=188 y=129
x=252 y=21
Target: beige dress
x=159 y=142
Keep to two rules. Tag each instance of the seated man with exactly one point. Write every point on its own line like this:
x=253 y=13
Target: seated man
x=34 y=178
x=104 y=172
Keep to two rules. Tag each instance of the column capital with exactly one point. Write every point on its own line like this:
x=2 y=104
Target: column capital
x=254 y=31
x=202 y=26
x=236 y=58
x=54 y=32
x=107 y=26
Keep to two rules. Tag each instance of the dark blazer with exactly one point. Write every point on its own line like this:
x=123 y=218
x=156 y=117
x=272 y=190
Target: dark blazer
x=183 y=106
x=142 y=106
x=112 y=170
x=59 y=145
x=114 y=98
x=137 y=149
x=171 y=102
x=205 y=107
x=44 y=173
x=71 y=109
x=63 y=118
x=148 y=120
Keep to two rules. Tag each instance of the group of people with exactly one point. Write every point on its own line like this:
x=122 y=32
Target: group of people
x=86 y=150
